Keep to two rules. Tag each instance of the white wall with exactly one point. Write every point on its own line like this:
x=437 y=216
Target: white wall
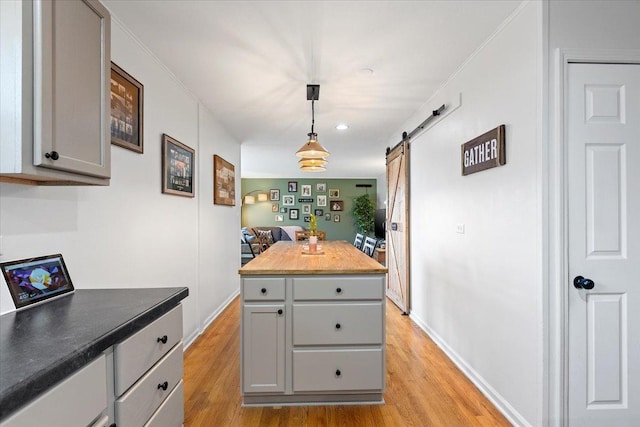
x=478 y=294
x=129 y=234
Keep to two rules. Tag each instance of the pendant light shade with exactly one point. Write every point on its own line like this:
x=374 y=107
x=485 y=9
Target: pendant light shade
x=312 y=149
x=313 y=168
x=312 y=162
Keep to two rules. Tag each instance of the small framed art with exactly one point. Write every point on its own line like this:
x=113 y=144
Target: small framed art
x=327 y=217
x=337 y=205
x=318 y=212
x=288 y=200
x=292 y=186
x=178 y=167
x=306 y=209
x=321 y=187
x=334 y=193
x=224 y=182
x=293 y=214
x=336 y=218
x=322 y=200
x=306 y=190
x=274 y=195
x=274 y=207
x=279 y=218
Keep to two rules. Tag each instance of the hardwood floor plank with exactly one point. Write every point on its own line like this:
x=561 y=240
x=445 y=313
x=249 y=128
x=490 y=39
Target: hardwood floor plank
x=424 y=387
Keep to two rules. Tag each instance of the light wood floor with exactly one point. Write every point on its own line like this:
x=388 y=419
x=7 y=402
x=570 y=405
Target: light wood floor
x=424 y=388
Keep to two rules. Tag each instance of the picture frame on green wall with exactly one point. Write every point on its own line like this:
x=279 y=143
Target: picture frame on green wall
x=327 y=217
x=294 y=214
x=322 y=200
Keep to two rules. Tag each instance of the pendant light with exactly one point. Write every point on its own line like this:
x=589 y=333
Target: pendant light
x=312 y=149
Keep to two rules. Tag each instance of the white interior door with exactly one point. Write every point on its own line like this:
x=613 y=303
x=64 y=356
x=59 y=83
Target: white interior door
x=603 y=134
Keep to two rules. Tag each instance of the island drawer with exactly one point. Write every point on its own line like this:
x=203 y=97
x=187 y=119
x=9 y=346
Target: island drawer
x=343 y=288
x=337 y=324
x=137 y=405
x=136 y=354
x=337 y=370
x=263 y=288
x=171 y=412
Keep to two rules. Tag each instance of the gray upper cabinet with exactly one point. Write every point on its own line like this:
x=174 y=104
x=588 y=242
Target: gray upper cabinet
x=55 y=84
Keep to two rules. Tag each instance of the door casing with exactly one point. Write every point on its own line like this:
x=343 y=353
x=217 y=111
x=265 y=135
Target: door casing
x=556 y=264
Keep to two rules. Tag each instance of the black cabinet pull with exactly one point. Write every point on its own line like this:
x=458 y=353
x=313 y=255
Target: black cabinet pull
x=338 y=373
x=339 y=290
x=263 y=290
x=163 y=339
x=163 y=386
x=338 y=326
x=52 y=155
x=280 y=311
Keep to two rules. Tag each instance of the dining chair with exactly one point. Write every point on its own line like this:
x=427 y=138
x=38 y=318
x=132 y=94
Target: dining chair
x=358 y=241
x=369 y=246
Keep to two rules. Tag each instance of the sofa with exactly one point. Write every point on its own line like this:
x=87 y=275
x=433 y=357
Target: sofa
x=259 y=238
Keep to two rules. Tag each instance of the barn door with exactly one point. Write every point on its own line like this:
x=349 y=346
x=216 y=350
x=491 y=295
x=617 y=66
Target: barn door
x=398 y=225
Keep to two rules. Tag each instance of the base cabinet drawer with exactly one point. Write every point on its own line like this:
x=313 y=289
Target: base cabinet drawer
x=171 y=412
x=78 y=400
x=337 y=324
x=346 y=288
x=263 y=289
x=137 y=405
x=136 y=354
x=337 y=370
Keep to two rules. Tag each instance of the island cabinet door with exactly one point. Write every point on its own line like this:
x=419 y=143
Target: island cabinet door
x=263 y=348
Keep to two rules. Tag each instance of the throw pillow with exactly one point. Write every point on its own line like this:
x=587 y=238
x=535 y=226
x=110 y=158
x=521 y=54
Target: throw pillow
x=265 y=236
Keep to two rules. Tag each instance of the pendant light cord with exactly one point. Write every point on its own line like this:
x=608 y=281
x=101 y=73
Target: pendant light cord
x=313 y=114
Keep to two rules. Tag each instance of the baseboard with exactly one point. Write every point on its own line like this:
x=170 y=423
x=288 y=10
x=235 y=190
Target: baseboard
x=209 y=320
x=485 y=388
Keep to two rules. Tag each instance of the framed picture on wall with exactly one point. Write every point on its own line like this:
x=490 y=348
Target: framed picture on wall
x=322 y=200
x=127 y=110
x=327 y=217
x=292 y=186
x=306 y=209
x=334 y=193
x=318 y=212
x=178 y=167
x=306 y=190
x=336 y=218
x=337 y=205
x=283 y=210
x=307 y=219
x=321 y=187
x=224 y=182
x=293 y=214
x=288 y=200
x=279 y=218
x=274 y=195
x=274 y=207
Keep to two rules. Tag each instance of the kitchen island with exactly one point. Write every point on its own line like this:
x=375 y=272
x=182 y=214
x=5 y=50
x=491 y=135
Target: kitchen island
x=313 y=326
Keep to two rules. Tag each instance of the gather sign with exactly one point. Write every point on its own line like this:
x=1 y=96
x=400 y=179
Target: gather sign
x=484 y=152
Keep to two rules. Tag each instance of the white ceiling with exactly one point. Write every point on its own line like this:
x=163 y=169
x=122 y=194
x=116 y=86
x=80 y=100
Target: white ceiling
x=249 y=62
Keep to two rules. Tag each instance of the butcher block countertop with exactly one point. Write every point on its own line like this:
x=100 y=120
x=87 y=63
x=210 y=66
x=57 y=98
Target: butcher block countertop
x=340 y=257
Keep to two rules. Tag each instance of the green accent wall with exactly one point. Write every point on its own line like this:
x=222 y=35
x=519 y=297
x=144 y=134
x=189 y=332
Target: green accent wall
x=261 y=214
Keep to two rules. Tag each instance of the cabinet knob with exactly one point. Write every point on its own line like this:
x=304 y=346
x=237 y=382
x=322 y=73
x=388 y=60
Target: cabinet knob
x=338 y=290
x=338 y=326
x=163 y=386
x=263 y=290
x=338 y=373
x=279 y=311
x=52 y=155
x=163 y=339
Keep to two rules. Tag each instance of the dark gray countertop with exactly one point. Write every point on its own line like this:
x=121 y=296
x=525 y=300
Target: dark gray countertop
x=44 y=344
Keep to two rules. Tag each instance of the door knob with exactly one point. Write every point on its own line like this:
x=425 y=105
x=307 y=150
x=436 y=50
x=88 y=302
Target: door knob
x=52 y=155
x=582 y=283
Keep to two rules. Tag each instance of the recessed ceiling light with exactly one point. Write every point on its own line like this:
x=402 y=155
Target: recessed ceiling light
x=342 y=126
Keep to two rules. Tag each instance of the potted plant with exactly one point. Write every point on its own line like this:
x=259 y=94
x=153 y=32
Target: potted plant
x=313 y=238
x=363 y=214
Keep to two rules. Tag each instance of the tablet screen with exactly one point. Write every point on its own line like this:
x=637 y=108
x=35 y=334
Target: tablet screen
x=34 y=280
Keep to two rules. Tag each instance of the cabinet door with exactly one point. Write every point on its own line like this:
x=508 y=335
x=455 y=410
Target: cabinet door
x=263 y=348
x=72 y=71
